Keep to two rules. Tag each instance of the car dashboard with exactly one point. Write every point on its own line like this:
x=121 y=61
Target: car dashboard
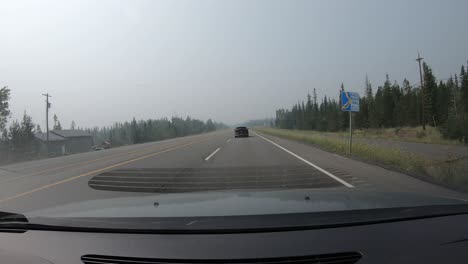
x=428 y=240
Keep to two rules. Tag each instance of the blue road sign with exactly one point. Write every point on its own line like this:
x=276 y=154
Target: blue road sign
x=349 y=102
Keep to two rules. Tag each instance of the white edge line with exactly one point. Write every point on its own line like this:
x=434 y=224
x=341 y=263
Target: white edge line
x=228 y=140
x=308 y=162
x=453 y=198
x=212 y=154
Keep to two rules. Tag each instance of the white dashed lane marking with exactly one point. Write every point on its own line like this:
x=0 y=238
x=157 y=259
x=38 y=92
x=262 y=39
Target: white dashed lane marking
x=212 y=154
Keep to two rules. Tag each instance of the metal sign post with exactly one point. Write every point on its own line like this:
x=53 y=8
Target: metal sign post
x=350 y=103
x=350 y=130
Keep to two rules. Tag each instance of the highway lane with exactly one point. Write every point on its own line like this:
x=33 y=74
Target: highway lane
x=19 y=190
x=77 y=159
x=214 y=161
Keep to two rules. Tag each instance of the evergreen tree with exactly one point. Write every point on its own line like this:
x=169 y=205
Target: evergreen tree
x=463 y=119
x=442 y=103
x=308 y=113
x=55 y=121
x=210 y=125
x=398 y=113
x=388 y=104
x=369 y=94
x=27 y=133
x=452 y=127
x=409 y=105
x=361 y=119
x=15 y=136
x=429 y=96
x=57 y=125
x=378 y=108
x=134 y=132
x=4 y=138
x=315 y=111
x=4 y=106
x=111 y=136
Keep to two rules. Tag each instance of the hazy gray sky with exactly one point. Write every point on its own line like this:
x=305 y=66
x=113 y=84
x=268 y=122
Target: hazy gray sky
x=106 y=61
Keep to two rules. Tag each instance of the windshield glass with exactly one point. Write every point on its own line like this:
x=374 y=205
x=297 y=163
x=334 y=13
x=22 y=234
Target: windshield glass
x=231 y=108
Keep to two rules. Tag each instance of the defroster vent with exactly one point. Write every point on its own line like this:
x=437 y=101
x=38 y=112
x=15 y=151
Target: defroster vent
x=337 y=258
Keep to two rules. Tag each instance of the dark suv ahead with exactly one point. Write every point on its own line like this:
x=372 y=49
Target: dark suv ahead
x=241 y=132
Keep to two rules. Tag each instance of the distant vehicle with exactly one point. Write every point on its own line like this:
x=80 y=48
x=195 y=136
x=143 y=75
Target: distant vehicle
x=241 y=132
x=106 y=145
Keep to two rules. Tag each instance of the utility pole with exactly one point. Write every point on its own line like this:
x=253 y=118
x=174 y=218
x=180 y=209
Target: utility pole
x=47 y=119
x=422 y=91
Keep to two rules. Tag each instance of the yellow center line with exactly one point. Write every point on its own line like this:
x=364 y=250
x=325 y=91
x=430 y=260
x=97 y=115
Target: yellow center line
x=78 y=164
x=96 y=171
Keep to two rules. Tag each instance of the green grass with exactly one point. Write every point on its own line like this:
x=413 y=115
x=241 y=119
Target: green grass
x=450 y=174
x=431 y=135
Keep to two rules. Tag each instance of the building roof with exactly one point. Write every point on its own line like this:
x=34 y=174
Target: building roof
x=52 y=137
x=71 y=133
x=60 y=135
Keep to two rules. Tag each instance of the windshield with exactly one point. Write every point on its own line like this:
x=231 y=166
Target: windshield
x=135 y=109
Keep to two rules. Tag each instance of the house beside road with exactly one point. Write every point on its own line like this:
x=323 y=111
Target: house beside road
x=62 y=142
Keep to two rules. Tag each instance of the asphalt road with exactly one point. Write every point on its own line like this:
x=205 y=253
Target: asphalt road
x=208 y=162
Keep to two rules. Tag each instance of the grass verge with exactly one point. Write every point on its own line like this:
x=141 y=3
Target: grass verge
x=430 y=135
x=451 y=175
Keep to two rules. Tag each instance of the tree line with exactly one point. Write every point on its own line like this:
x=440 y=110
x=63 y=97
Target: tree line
x=258 y=122
x=17 y=140
x=142 y=131
x=439 y=103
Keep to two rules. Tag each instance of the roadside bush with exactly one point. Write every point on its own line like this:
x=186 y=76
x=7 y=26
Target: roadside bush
x=421 y=134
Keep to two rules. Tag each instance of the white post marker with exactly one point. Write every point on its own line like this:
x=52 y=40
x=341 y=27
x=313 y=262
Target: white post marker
x=212 y=154
x=308 y=163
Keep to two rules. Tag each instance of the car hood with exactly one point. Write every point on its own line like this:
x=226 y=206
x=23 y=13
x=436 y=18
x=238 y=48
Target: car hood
x=242 y=203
